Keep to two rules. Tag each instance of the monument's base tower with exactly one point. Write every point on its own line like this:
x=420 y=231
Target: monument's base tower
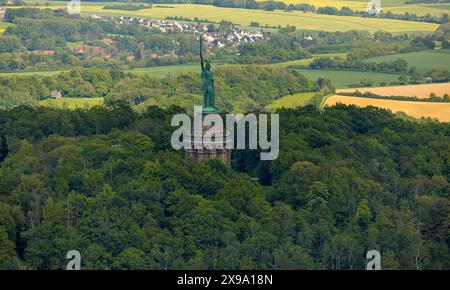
x=210 y=151
x=223 y=155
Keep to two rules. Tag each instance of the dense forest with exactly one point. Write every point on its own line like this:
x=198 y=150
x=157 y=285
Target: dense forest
x=106 y=182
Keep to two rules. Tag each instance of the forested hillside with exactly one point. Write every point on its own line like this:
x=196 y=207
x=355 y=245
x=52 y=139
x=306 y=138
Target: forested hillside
x=106 y=182
x=238 y=87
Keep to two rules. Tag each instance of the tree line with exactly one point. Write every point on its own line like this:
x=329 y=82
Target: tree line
x=238 y=87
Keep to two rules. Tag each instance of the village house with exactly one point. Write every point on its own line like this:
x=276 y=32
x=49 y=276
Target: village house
x=55 y=94
x=126 y=20
x=214 y=39
x=153 y=55
x=102 y=17
x=91 y=49
x=43 y=52
x=107 y=41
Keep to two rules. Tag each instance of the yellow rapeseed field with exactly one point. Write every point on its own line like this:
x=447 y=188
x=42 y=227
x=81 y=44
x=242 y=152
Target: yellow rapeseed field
x=420 y=91
x=439 y=111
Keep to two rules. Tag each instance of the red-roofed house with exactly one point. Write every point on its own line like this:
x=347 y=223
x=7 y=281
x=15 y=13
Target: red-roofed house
x=43 y=52
x=107 y=41
x=55 y=94
x=93 y=49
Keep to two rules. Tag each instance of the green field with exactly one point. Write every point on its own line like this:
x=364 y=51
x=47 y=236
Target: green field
x=305 y=21
x=3 y=26
x=163 y=71
x=441 y=6
x=424 y=61
x=72 y=103
x=31 y=73
x=291 y=101
x=306 y=61
x=343 y=79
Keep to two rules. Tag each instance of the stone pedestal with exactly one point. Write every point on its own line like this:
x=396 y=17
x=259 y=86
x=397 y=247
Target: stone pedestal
x=209 y=151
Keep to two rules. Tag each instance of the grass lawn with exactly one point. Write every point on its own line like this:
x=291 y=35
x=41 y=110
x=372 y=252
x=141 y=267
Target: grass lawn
x=343 y=79
x=71 y=103
x=291 y=101
x=424 y=61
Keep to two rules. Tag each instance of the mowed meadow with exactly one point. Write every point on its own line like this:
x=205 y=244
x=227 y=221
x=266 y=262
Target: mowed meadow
x=291 y=101
x=440 y=111
x=306 y=21
x=424 y=61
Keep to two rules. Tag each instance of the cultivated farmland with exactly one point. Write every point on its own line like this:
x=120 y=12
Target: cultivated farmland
x=415 y=109
x=306 y=21
x=420 y=91
x=72 y=103
x=395 y=6
x=343 y=79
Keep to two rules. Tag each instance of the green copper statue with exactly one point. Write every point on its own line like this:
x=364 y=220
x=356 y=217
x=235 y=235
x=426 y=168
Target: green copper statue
x=207 y=77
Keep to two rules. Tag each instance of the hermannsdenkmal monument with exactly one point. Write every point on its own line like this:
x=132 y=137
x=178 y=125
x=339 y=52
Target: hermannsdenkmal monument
x=222 y=153
x=207 y=77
